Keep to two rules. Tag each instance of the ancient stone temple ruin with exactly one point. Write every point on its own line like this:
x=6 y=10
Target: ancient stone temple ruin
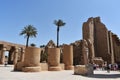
x=105 y=43
x=98 y=45
x=15 y=52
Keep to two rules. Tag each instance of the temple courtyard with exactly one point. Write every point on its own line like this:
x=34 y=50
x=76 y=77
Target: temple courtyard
x=7 y=73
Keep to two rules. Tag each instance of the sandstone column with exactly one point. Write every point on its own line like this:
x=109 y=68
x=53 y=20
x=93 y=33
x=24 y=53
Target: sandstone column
x=54 y=59
x=19 y=65
x=32 y=60
x=68 y=57
x=10 y=58
x=15 y=56
x=85 y=52
x=91 y=50
x=2 y=61
x=22 y=55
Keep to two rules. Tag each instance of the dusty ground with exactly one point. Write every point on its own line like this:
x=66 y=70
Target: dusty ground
x=7 y=73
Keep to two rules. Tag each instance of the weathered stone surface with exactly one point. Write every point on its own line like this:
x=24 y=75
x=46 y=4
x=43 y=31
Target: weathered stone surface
x=90 y=70
x=2 y=58
x=85 y=51
x=83 y=69
x=31 y=69
x=18 y=66
x=32 y=57
x=116 y=48
x=105 y=43
x=10 y=47
x=80 y=70
x=98 y=60
x=68 y=57
x=77 y=52
x=62 y=65
x=32 y=60
x=15 y=56
x=44 y=66
x=54 y=59
x=56 y=68
x=91 y=51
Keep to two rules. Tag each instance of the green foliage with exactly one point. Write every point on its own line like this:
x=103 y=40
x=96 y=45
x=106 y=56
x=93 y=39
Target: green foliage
x=44 y=56
x=29 y=31
x=32 y=44
x=58 y=23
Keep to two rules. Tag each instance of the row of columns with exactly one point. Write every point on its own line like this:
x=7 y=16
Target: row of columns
x=14 y=56
x=32 y=59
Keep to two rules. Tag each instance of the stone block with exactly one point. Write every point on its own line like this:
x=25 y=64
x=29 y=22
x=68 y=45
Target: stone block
x=44 y=66
x=62 y=65
x=80 y=70
x=18 y=66
x=83 y=69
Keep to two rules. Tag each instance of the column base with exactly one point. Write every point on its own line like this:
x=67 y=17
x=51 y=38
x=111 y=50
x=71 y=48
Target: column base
x=54 y=68
x=31 y=69
x=69 y=67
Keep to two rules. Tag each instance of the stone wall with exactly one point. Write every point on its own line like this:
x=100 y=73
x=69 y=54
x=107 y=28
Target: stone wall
x=77 y=52
x=116 y=48
x=105 y=43
x=101 y=42
x=14 y=52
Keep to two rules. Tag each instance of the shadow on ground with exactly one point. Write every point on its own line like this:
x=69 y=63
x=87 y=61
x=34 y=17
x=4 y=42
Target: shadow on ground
x=104 y=76
x=5 y=66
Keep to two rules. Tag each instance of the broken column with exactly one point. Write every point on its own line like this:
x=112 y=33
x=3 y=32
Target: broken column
x=68 y=57
x=85 y=51
x=91 y=51
x=86 y=68
x=32 y=60
x=54 y=59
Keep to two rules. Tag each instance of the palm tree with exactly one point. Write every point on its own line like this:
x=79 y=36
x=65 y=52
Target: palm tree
x=29 y=31
x=58 y=23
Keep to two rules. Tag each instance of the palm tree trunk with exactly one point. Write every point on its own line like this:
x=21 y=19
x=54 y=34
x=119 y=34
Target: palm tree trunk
x=27 y=41
x=57 y=36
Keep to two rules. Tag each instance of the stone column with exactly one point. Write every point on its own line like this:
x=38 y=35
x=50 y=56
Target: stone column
x=10 y=58
x=2 y=61
x=15 y=56
x=91 y=51
x=68 y=57
x=22 y=55
x=54 y=59
x=85 y=51
x=32 y=60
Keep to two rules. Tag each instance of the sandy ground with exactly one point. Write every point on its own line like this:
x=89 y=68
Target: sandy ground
x=7 y=73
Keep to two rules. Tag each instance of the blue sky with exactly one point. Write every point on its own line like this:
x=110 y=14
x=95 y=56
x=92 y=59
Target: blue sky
x=16 y=14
